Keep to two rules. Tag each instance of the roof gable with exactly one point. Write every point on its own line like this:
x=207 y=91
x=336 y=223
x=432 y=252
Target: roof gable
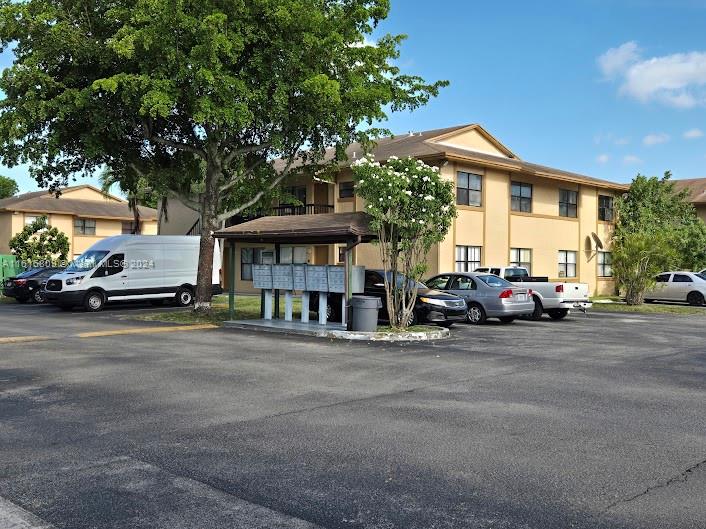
x=474 y=138
x=88 y=192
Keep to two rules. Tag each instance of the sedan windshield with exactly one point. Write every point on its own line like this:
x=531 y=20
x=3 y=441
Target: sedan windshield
x=701 y=275
x=401 y=278
x=86 y=261
x=495 y=281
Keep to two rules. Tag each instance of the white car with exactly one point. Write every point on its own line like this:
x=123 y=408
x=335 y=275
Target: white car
x=679 y=286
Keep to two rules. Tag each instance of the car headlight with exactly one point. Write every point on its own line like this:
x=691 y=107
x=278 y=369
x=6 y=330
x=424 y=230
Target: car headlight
x=432 y=301
x=74 y=280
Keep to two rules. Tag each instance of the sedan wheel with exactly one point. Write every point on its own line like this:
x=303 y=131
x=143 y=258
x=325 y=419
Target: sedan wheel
x=37 y=296
x=696 y=299
x=475 y=314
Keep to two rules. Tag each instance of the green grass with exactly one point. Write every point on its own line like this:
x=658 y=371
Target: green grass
x=5 y=299
x=648 y=308
x=246 y=308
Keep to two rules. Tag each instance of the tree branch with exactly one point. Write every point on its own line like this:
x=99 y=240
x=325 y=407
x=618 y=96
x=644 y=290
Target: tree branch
x=187 y=201
x=259 y=194
x=244 y=150
x=237 y=178
x=149 y=135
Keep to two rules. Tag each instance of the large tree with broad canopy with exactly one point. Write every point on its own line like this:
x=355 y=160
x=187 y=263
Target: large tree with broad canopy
x=200 y=97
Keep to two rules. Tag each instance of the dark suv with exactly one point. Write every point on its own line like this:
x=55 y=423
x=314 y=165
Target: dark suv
x=27 y=286
x=432 y=306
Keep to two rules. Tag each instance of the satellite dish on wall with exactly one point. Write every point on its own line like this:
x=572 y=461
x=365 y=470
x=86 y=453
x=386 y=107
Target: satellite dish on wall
x=597 y=240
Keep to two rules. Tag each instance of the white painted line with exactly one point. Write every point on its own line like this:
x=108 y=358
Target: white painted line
x=15 y=517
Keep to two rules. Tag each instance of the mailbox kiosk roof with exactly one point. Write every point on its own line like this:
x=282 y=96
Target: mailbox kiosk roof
x=325 y=228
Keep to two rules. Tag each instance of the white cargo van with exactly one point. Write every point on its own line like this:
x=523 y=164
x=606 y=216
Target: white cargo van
x=130 y=268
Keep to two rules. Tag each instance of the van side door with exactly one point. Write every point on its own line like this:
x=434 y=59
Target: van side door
x=111 y=276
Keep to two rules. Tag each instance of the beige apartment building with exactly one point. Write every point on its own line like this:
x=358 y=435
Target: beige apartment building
x=697 y=193
x=83 y=213
x=510 y=211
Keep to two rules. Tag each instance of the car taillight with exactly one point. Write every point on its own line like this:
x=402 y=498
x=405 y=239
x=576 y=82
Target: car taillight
x=559 y=288
x=20 y=282
x=505 y=294
x=529 y=292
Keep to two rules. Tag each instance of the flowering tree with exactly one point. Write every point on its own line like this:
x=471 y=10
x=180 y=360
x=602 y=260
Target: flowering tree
x=412 y=209
x=39 y=244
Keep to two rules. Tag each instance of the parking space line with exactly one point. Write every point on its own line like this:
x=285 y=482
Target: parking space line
x=20 y=339
x=148 y=330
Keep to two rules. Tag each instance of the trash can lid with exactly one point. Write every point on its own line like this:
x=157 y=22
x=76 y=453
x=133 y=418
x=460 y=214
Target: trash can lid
x=366 y=302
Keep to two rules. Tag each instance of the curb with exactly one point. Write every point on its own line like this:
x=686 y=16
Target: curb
x=335 y=334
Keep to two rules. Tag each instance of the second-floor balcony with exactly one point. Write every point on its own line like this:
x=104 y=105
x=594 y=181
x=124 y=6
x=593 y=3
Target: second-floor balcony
x=303 y=209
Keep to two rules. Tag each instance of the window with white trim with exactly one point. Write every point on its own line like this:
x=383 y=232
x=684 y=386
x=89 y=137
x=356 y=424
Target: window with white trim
x=521 y=257
x=467 y=258
x=605 y=264
x=567 y=263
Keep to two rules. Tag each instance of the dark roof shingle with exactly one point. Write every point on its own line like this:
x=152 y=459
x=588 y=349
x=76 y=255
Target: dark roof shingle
x=44 y=202
x=325 y=228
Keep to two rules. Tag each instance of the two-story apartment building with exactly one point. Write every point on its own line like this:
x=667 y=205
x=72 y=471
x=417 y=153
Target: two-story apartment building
x=696 y=188
x=83 y=213
x=510 y=211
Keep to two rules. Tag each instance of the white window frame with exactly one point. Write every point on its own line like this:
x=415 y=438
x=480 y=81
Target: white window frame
x=567 y=266
x=468 y=258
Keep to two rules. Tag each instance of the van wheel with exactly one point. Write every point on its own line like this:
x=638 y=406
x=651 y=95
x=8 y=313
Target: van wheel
x=695 y=298
x=37 y=296
x=538 y=310
x=184 y=297
x=476 y=314
x=558 y=314
x=94 y=301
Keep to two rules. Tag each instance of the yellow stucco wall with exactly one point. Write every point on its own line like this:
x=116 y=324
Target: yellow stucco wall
x=474 y=141
x=5 y=231
x=87 y=193
x=12 y=223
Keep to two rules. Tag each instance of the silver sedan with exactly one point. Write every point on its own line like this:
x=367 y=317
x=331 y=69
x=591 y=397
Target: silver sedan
x=487 y=295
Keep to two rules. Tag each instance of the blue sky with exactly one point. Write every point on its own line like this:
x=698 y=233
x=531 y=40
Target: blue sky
x=600 y=87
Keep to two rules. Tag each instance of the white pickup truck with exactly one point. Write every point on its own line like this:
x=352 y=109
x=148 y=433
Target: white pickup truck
x=556 y=299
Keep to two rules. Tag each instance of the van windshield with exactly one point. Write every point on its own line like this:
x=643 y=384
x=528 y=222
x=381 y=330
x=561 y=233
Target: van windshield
x=86 y=261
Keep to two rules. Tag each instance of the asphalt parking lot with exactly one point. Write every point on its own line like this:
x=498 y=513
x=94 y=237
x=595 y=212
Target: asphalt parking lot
x=592 y=422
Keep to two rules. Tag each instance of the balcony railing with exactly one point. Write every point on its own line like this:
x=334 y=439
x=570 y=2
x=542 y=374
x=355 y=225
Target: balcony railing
x=304 y=209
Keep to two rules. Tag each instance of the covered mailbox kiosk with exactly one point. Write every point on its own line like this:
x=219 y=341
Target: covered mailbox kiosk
x=350 y=229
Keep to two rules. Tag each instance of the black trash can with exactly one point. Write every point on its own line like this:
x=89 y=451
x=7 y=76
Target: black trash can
x=365 y=313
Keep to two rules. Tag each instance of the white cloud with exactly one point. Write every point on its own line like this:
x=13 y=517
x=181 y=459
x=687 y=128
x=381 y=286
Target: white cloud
x=622 y=141
x=631 y=159
x=677 y=80
x=603 y=159
x=616 y=60
x=655 y=139
x=693 y=134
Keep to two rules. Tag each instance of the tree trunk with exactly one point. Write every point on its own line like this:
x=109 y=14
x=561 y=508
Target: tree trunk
x=209 y=224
